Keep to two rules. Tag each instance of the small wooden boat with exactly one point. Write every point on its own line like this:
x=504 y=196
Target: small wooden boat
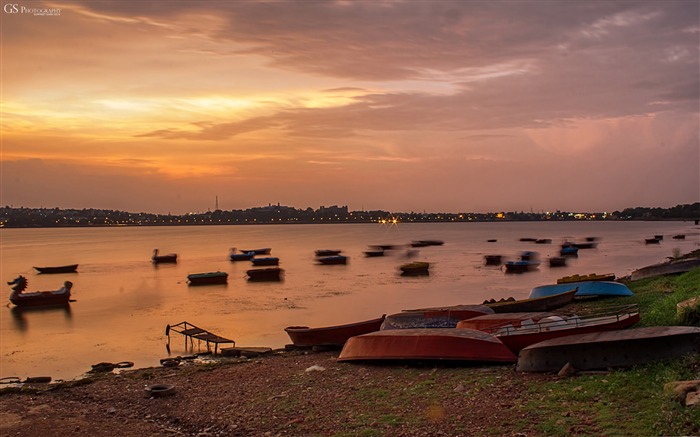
x=543 y=241
x=267 y=261
x=415 y=268
x=374 y=253
x=669 y=268
x=521 y=266
x=427 y=344
x=437 y=317
x=589 y=244
x=242 y=256
x=335 y=259
x=327 y=252
x=544 y=303
x=72 y=268
x=586 y=289
x=38 y=298
x=161 y=259
x=265 y=274
x=489 y=321
x=602 y=350
x=208 y=278
x=261 y=251
x=557 y=261
x=423 y=243
x=304 y=336
x=582 y=278
x=520 y=333
x=568 y=251
x=679 y=237
x=492 y=260
x=652 y=240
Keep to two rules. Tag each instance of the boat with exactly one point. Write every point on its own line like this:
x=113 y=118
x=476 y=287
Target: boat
x=568 y=251
x=679 y=237
x=521 y=333
x=589 y=277
x=543 y=241
x=304 y=336
x=588 y=244
x=38 y=298
x=267 y=261
x=415 y=268
x=161 y=259
x=557 y=261
x=427 y=344
x=424 y=243
x=72 y=268
x=207 y=278
x=334 y=259
x=668 y=268
x=242 y=256
x=327 y=252
x=488 y=321
x=492 y=260
x=610 y=349
x=261 y=251
x=586 y=289
x=436 y=317
x=265 y=274
x=544 y=303
x=652 y=240
x=374 y=253
x=521 y=266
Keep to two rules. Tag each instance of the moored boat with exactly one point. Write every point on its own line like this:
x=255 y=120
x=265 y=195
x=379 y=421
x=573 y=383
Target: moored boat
x=602 y=350
x=38 y=298
x=568 y=251
x=242 y=256
x=207 y=278
x=653 y=240
x=521 y=266
x=544 y=303
x=267 y=261
x=162 y=259
x=557 y=261
x=261 y=251
x=492 y=260
x=327 y=252
x=374 y=253
x=265 y=274
x=72 y=268
x=415 y=268
x=586 y=289
x=304 y=336
x=518 y=334
x=334 y=259
x=427 y=344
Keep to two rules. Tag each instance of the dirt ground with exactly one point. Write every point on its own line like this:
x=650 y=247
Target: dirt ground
x=287 y=394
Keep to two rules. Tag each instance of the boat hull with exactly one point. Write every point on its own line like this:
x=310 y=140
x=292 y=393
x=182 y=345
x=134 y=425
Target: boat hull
x=271 y=261
x=207 y=278
x=304 y=336
x=335 y=259
x=482 y=323
x=41 y=299
x=265 y=274
x=427 y=344
x=60 y=269
x=544 y=303
x=586 y=289
x=602 y=350
x=446 y=317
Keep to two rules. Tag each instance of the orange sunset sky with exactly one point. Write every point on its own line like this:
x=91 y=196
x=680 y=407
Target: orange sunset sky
x=442 y=106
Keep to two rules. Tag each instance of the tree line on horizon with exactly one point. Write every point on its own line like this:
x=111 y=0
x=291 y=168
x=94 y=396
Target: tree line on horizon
x=11 y=217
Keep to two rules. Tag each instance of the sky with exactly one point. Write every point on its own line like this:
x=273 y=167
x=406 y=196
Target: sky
x=437 y=106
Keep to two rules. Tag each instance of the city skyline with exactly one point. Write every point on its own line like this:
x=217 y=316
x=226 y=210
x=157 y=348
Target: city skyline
x=403 y=106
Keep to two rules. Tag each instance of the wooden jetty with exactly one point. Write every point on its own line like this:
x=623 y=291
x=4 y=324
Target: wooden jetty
x=191 y=332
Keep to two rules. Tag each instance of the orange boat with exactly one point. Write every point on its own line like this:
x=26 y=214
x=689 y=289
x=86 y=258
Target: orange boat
x=303 y=336
x=427 y=344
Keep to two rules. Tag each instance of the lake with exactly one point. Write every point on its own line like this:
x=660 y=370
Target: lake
x=123 y=302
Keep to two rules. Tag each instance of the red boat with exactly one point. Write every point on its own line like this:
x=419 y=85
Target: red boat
x=520 y=334
x=303 y=336
x=38 y=298
x=481 y=323
x=427 y=344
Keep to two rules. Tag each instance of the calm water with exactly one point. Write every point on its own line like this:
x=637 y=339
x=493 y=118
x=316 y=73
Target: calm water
x=123 y=302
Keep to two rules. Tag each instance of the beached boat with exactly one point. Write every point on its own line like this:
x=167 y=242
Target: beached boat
x=242 y=256
x=162 y=259
x=668 y=268
x=586 y=289
x=520 y=333
x=437 y=317
x=327 y=252
x=261 y=251
x=267 y=261
x=610 y=349
x=590 y=277
x=72 y=268
x=304 y=336
x=265 y=274
x=207 y=278
x=488 y=321
x=38 y=298
x=544 y=303
x=415 y=268
x=334 y=259
x=427 y=344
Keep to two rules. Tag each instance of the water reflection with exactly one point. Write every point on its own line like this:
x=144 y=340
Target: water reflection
x=20 y=315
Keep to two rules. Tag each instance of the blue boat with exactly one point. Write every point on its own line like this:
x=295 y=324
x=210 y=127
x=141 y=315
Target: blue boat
x=587 y=289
